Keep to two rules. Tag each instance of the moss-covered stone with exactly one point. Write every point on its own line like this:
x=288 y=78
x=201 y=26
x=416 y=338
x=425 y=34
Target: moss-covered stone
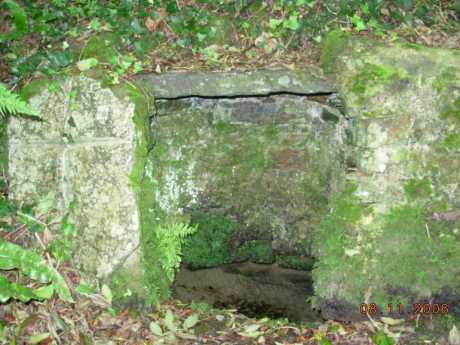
x=304 y=263
x=271 y=164
x=88 y=130
x=380 y=242
x=211 y=244
x=259 y=252
x=332 y=46
x=101 y=47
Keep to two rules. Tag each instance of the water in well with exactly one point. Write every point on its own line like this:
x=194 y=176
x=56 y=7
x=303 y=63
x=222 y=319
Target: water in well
x=256 y=290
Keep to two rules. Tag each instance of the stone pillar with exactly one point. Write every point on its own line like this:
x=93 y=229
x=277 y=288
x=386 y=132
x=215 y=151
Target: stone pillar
x=82 y=152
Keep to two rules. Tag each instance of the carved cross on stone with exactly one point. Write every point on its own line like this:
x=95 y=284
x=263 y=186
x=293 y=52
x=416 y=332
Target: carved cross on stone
x=83 y=150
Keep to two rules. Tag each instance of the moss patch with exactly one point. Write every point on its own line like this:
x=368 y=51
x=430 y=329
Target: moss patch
x=333 y=45
x=259 y=252
x=418 y=188
x=211 y=244
x=295 y=262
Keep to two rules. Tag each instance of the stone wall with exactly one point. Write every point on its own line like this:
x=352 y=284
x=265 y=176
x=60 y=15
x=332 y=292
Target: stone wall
x=270 y=165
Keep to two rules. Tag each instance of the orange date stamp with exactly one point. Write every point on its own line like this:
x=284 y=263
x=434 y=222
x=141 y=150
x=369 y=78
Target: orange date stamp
x=415 y=309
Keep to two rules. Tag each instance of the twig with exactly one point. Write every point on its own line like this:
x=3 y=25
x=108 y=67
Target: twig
x=446 y=216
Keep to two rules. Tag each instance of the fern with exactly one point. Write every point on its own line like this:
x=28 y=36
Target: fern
x=171 y=238
x=10 y=103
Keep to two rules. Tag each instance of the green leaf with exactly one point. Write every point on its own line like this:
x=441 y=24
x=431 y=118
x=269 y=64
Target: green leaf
x=273 y=24
x=44 y=292
x=252 y=331
x=292 y=23
x=392 y=322
x=85 y=289
x=35 y=339
x=6 y=207
x=380 y=338
x=169 y=321
x=201 y=37
x=325 y=341
x=107 y=293
x=20 y=21
x=84 y=65
x=12 y=290
x=95 y=25
x=190 y=321
x=155 y=328
x=358 y=23
x=31 y=264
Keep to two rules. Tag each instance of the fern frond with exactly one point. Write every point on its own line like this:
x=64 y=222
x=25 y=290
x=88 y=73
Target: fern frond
x=10 y=103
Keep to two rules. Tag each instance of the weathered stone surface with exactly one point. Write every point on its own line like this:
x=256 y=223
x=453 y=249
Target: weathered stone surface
x=268 y=165
x=226 y=84
x=380 y=243
x=82 y=151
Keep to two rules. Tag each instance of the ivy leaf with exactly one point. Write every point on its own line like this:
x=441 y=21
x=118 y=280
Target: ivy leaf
x=274 y=23
x=392 y=322
x=84 y=65
x=85 y=289
x=169 y=321
x=358 y=23
x=155 y=328
x=107 y=293
x=190 y=321
x=201 y=36
x=292 y=23
x=44 y=292
x=380 y=338
x=38 y=338
x=252 y=331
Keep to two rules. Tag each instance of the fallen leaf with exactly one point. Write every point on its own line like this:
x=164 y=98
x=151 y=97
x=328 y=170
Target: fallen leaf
x=454 y=336
x=155 y=328
x=84 y=65
x=190 y=321
x=150 y=24
x=392 y=322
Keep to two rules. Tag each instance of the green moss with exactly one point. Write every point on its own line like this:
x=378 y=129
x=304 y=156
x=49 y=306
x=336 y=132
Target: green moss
x=295 y=262
x=332 y=47
x=451 y=142
x=36 y=86
x=418 y=188
x=337 y=233
x=211 y=245
x=259 y=252
x=371 y=75
x=101 y=47
x=154 y=277
x=126 y=287
x=405 y=252
x=430 y=252
x=3 y=148
x=224 y=128
x=452 y=111
x=446 y=80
